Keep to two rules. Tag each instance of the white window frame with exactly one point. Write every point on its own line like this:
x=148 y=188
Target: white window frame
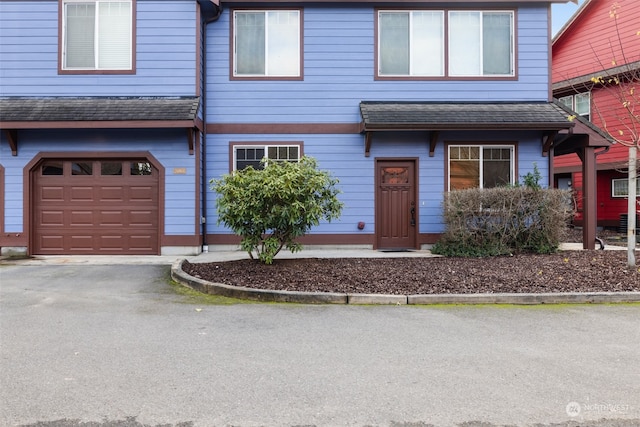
x=512 y=43
x=617 y=194
x=446 y=47
x=266 y=148
x=96 y=48
x=411 y=53
x=571 y=102
x=267 y=73
x=481 y=147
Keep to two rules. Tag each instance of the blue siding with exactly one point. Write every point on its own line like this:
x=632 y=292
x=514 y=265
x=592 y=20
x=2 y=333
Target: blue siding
x=166 y=53
x=169 y=147
x=339 y=72
x=344 y=156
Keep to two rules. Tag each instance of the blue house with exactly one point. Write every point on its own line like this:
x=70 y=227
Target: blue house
x=114 y=114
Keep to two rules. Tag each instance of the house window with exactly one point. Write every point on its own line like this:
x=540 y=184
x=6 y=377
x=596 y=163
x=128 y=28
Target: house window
x=620 y=188
x=478 y=43
x=480 y=166
x=580 y=103
x=266 y=43
x=411 y=43
x=97 y=34
x=244 y=156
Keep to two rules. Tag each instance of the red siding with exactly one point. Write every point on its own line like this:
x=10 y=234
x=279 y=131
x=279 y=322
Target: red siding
x=592 y=43
x=608 y=113
x=609 y=207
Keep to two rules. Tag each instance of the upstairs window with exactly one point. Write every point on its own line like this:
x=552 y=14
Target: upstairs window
x=266 y=43
x=97 y=34
x=580 y=103
x=481 y=43
x=477 y=43
x=480 y=166
x=411 y=43
x=252 y=155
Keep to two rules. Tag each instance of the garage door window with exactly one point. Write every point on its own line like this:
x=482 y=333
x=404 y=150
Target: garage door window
x=81 y=168
x=111 y=168
x=140 y=168
x=52 y=167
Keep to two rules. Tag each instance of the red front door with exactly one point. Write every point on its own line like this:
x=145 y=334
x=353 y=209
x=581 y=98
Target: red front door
x=396 y=207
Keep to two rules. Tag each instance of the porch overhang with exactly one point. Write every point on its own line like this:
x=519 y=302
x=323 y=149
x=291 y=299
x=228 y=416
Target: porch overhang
x=584 y=139
x=99 y=113
x=435 y=117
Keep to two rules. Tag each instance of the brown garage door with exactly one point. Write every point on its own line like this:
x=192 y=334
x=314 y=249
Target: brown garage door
x=95 y=207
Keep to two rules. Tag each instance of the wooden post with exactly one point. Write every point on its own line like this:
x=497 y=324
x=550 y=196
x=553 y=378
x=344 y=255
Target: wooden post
x=590 y=209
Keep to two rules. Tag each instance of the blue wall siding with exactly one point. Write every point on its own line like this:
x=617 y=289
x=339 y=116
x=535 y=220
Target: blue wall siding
x=169 y=147
x=339 y=72
x=344 y=156
x=166 y=53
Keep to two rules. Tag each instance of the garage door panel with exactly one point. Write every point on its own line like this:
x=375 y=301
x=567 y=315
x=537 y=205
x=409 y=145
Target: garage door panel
x=53 y=243
x=142 y=218
x=96 y=214
x=141 y=243
x=112 y=242
x=112 y=218
x=81 y=218
x=111 y=194
x=51 y=218
x=80 y=243
x=52 y=194
x=141 y=194
x=81 y=194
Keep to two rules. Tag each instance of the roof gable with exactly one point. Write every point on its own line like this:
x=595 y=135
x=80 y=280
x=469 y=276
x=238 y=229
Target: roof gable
x=601 y=35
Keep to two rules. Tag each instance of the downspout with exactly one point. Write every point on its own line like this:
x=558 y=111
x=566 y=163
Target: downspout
x=203 y=184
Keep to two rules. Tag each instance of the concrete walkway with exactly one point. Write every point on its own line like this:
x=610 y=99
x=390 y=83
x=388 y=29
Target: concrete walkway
x=213 y=256
x=230 y=254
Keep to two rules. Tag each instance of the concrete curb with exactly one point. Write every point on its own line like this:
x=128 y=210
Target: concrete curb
x=265 y=295
x=528 y=299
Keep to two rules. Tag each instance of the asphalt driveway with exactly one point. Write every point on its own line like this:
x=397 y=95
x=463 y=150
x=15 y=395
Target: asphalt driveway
x=117 y=345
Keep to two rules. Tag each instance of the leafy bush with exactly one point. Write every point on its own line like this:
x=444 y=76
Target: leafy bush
x=499 y=221
x=271 y=207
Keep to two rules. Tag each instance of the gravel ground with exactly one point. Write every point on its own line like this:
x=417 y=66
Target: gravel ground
x=575 y=271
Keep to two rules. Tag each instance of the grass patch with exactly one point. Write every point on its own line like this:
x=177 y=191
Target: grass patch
x=194 y=297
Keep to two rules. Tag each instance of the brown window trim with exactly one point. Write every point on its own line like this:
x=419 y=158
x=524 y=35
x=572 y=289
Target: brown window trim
x=447 y=144
x=234 y=144
x=445 y=77
x=262 y=78
x=62 y=71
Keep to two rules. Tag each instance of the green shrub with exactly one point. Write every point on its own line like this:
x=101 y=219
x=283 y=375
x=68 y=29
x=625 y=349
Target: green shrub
x=505 y=220
x=271 y=207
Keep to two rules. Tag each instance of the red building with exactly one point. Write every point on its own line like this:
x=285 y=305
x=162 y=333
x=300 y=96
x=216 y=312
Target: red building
x=602 y=39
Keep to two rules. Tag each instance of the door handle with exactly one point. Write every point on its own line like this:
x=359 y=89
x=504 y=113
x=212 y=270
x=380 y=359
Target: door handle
x=413 y=214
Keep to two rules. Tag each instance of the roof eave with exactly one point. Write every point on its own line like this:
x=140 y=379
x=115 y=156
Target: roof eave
x=99 y=124
x=381 y=127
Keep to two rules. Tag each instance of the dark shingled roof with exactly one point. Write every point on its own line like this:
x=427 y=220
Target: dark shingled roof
x=64 y=109
x=381 y=115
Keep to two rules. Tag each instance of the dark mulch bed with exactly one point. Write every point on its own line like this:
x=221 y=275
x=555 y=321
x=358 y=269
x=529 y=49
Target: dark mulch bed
x=575 y=271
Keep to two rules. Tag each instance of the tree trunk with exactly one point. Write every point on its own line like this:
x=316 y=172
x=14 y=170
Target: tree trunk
x=631 y=207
